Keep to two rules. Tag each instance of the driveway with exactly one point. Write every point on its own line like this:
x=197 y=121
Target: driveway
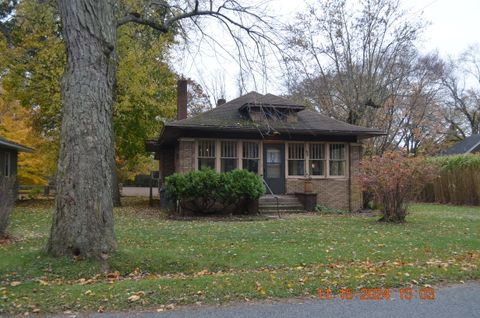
x=450 y=302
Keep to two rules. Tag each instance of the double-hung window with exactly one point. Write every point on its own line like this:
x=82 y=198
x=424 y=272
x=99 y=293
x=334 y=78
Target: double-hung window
x=296 y=159
x=317 y=159
x=337 y=163
x=250 y=156
x=229 y=158
x=206 y=154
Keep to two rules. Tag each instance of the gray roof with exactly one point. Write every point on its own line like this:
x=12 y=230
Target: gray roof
x=229 y=117
x=467 y=145
x=4 y=143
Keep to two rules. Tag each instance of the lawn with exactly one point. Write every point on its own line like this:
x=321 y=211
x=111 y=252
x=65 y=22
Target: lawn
x=169 y=262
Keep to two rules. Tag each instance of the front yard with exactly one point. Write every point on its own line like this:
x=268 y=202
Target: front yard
x=169 y=262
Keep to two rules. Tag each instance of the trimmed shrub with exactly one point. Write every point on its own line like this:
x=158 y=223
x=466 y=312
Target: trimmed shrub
x=394 y=181
x=207 y=192
x=7 y=199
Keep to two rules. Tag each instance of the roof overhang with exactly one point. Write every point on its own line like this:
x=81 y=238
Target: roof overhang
x=170 y=135
x=14 y=146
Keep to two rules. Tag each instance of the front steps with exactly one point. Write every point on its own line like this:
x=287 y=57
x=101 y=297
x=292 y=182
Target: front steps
x=267 y=204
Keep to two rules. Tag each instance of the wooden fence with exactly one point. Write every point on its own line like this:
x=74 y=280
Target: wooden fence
x=459 y=185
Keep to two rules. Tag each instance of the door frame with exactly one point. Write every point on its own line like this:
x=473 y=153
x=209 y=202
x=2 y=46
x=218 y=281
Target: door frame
x=281 y=186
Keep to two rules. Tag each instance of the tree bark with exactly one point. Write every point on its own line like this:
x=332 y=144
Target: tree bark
x=116 y=197
x=83 y=218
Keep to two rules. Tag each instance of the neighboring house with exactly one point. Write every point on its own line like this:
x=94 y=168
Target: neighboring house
x=9 y=155
x=282 y=141
x=468 y=145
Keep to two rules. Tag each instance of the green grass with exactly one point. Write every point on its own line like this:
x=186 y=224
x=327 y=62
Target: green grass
x=215 y=261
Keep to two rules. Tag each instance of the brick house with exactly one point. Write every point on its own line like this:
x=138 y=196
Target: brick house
x=284 y=142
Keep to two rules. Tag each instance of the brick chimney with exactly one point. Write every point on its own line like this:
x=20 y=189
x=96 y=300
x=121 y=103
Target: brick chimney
x=221 y=101
x=182 y=99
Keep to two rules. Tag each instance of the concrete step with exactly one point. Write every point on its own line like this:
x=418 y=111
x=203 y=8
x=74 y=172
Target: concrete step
x=281 y=211
x=283 y=206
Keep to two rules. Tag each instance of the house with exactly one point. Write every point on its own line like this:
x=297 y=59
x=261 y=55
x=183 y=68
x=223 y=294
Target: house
x=282 y=141
x=468 y=145
x=9 y=155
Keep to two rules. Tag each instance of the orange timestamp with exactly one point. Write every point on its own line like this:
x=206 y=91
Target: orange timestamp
x=377 y=294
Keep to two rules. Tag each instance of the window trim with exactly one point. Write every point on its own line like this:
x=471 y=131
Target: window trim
x=287 y=159
x=327 y=160
x=236 y=152
x=259 y=152
x=197 y=157
x=347 y=161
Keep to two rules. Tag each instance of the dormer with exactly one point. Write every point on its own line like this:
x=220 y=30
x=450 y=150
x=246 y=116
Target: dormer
x=271 y=108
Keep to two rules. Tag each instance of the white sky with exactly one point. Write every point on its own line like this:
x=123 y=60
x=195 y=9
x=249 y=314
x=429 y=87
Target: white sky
x=454 y=25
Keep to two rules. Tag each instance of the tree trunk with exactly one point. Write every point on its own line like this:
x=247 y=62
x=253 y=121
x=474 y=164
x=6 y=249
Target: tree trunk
x=83 y=219
x=117 y=202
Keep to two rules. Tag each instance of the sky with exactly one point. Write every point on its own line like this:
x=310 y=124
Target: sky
x=453 y=25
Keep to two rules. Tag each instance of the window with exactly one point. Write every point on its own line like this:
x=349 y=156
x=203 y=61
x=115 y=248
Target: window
x=296 y=159
x=337 y=160
x=317 y=159
x=250 y=156
x=228 y=157
x=7 y=165
x=206 y=154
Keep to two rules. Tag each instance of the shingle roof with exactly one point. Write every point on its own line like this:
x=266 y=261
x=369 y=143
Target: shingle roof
x=228 y=116
x=465 y=146
x=4 y=143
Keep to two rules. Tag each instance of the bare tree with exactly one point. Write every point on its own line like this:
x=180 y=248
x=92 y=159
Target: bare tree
x=83 y=218
x=461 y=83
x=357 y=61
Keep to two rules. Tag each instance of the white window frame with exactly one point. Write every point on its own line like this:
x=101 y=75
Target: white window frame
x=197 y=156
x=220 y=153
x=347 y=156
x=327 y=160
x=287 y=158
x=259 y=150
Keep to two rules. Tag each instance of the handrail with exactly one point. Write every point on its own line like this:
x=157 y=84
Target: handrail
x=274 y=195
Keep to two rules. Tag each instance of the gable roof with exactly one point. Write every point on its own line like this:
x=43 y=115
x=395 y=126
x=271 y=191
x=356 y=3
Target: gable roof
x=4 y=143
x=467 y=145
x=228 y=116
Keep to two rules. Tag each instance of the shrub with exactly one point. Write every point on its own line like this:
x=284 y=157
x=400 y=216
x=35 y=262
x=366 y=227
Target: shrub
x=207 y=191
x=7 y=199
x=394 y=181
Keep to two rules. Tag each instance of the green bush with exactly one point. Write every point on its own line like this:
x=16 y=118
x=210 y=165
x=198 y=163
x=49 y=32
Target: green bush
x=207 y=191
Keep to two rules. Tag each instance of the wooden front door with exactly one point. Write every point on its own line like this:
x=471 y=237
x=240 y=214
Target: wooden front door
x=274 y=167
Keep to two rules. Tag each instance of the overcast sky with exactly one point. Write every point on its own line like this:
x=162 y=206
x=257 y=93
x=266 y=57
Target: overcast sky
x=454 y=25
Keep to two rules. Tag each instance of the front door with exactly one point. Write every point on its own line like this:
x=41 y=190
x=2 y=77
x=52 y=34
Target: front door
x=274 y=167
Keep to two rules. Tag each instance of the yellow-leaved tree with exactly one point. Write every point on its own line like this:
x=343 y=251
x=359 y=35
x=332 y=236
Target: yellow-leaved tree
x=16 y=125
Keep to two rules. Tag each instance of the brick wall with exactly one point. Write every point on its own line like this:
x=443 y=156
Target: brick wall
x=186 y=156
x=331 y=192
x=356 y=193
x=334 y=193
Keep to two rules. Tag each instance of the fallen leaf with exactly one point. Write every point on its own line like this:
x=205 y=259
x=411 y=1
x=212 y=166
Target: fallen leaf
x=133 y=298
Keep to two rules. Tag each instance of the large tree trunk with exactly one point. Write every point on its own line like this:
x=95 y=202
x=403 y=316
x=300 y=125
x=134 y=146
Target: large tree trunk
x=83 y=218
